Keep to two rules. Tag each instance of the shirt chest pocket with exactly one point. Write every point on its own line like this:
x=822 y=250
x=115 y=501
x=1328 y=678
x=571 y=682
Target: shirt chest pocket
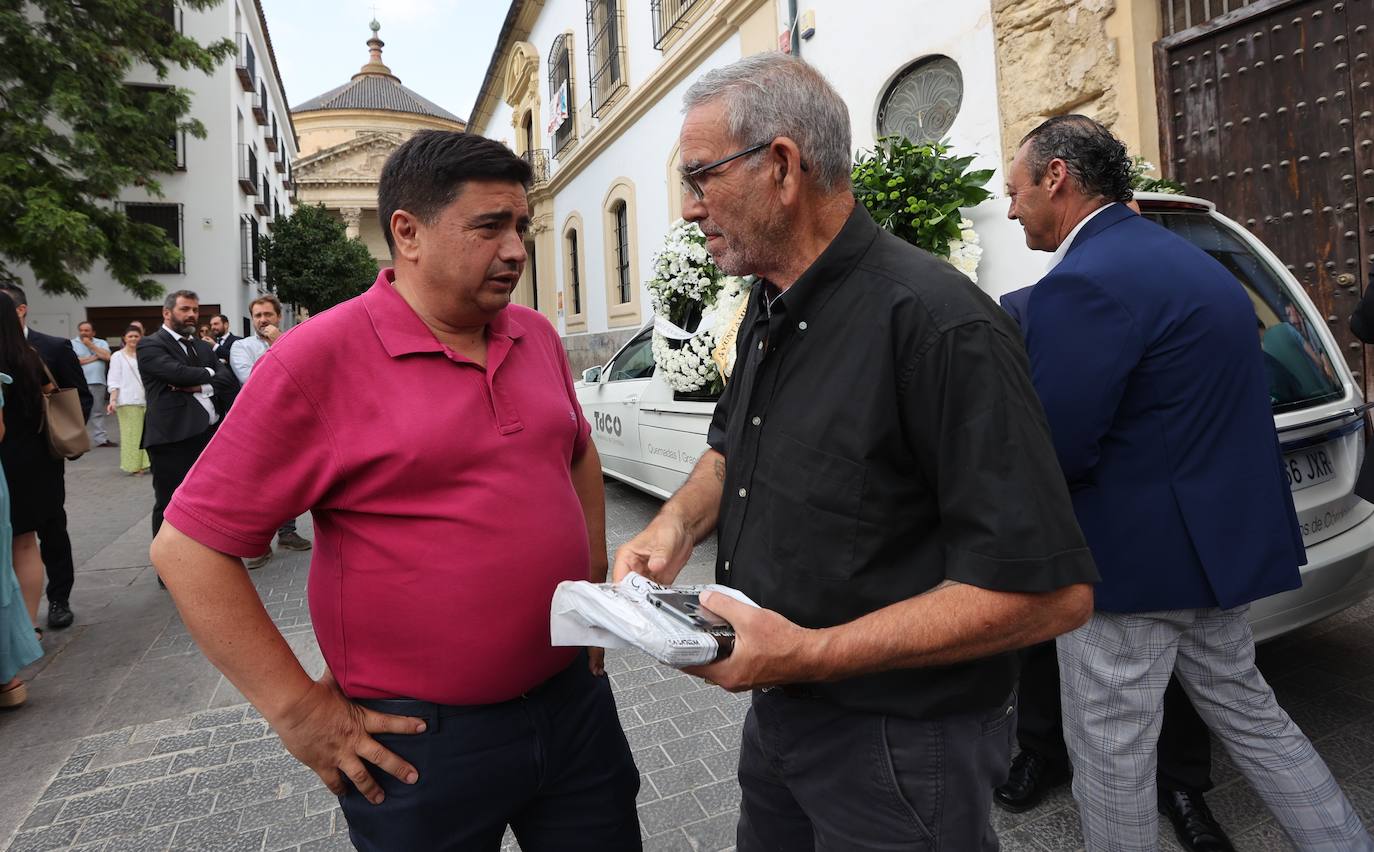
x=813 y=500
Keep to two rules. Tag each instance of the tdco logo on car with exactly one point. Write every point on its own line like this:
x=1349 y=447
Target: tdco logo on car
x=606 y=423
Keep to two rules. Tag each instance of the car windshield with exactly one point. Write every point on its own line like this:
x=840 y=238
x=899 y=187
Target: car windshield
x=1301 y=371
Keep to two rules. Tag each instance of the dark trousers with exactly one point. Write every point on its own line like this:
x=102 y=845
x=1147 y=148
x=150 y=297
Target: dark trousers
x=1185 y=749
x=816 y=776
x=55 y=546
x=553 y=765
x=171 y=463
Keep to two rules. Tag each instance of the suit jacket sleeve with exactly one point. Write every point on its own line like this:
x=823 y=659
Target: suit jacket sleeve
x=67 y=370
x=1362 y=321
x=157 y=363
x=1083 y=345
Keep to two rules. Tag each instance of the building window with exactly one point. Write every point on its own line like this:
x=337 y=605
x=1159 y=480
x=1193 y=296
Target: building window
x=1180 y=15
x=250 y=257
x=923 y=101
x=562 y=124
x=574 y=273
x=164 y=216
x=605 y=51
x=144 y=99
x=622 y=252
x=620 y=249
x=669 y=16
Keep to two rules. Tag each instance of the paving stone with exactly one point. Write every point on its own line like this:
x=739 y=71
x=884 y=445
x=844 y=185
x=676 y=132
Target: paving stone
x=150 y=792
x=114 y=823
x=239 y=733
x=213 y=780
x=681 y=778
x=49 y=837
x=700 y=720
x=723 y=765
x=673 y=812
x=713 y=834
x=74 y=785
x=43 y=814
x=270 y=813
x=695 y=747
x=148 y=840
x=669 y=841
x=284 y=835
x=252 y=792
x=216 y=834
x=718 y=797
x=258 y=749
x=332 y=843
x=650 y=758
x=201 y=758
x=158 y=730
x=676 y=686
x=215 y=718
x=647 y=791
x=628 y=718
x=75 y=765
x=635 y=677
x=317 y=801
x=100 y=742
x=144 y=770
x=656 y=711
x=121 y=754
x=183 y=742
x=93 y=803
x=164 y=811
x=653 y=733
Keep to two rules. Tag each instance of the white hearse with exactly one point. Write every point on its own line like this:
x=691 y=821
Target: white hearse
x=649 y=437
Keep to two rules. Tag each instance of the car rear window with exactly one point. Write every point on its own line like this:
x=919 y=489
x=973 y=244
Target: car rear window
x=1302 y=372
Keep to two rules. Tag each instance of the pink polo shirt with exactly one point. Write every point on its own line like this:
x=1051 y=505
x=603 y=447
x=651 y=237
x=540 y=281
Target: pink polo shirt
x=441 y=494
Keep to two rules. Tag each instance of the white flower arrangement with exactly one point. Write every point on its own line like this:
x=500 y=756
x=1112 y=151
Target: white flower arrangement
x=687 y=287
x=965 y=252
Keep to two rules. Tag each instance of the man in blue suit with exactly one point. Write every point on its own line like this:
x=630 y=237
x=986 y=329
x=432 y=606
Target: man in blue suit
x=1143 y=352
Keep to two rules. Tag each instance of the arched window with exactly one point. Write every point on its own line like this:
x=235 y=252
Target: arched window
x=922 y=101
x=621 y=251
x=574 y=296
x=562 y=109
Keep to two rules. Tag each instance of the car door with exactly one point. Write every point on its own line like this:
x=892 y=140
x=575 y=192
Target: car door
x=611 y=404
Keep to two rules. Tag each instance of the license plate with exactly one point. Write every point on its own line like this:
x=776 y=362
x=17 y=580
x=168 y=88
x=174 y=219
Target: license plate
x=1309 y=467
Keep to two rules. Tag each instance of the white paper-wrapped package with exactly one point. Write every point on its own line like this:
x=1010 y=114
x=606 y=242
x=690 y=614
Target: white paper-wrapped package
x=619 y=615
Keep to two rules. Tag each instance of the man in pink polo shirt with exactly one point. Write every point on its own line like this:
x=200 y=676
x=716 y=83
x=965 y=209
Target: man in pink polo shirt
x=448 y=470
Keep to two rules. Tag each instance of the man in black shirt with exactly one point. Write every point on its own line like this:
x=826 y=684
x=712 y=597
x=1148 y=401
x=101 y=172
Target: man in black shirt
x=882 y=482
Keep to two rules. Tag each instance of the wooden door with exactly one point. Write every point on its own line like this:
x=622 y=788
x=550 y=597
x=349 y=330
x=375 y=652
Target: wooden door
x=1268 y=112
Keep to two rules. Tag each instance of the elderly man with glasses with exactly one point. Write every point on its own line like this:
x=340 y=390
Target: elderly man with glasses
x=881 y=481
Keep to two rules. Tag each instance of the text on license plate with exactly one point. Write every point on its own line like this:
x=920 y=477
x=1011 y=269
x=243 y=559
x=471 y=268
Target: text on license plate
x=1309 y=467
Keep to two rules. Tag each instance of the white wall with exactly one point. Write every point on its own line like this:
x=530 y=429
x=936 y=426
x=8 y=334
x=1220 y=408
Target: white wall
x=208 y=189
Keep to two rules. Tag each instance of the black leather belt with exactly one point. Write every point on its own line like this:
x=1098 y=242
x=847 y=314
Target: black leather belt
x=793 y=690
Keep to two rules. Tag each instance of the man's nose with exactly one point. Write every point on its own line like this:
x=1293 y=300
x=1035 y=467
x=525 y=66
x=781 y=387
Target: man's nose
x=693 y=208
x=513 y=249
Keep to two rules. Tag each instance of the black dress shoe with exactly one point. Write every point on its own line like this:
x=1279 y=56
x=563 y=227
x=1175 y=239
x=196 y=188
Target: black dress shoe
x=59 y=615
x=1194 y=824
x=1032 y=776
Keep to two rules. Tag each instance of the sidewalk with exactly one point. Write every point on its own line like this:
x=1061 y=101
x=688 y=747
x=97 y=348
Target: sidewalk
x=132 y=741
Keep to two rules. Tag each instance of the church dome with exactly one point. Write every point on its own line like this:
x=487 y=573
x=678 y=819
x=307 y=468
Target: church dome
x=374 y=87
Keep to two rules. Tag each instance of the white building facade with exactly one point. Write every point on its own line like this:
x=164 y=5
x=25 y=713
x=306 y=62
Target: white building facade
x=228 y=190
x=607 y=187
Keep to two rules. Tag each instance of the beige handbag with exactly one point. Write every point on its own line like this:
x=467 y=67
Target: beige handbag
x=65 y=424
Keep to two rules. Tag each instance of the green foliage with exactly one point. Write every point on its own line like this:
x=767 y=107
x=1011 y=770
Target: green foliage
x=915 y=191
x=73 y=135
x=312 y=262
x=1142 y=182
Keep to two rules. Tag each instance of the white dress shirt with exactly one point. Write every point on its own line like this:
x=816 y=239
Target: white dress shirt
x=1063 y=249
x=206 y=391
x=244 y=354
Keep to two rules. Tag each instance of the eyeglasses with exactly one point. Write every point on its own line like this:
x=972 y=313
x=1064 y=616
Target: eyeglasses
x=689 y=178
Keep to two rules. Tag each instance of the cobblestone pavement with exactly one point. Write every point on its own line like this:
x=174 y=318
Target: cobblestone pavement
x=132 y=741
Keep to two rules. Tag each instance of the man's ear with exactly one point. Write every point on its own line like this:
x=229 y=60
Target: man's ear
x=786 y=164
x=1057 y=173
x=405 y=233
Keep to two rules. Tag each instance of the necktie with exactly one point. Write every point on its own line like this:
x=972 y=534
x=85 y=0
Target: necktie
x=191 y=352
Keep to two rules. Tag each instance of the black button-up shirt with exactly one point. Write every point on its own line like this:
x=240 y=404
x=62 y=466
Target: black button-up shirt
x=881 y=435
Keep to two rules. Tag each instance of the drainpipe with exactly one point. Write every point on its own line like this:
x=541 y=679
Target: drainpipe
x=792 y=27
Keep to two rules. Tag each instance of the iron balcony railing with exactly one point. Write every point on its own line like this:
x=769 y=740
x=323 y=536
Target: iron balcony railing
x=669 y=16
x=248 y=169
x=539 y=163
x=245 y=64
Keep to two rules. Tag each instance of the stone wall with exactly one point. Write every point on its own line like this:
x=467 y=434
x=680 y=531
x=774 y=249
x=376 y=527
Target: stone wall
x=593 y=350
x=1054 y=57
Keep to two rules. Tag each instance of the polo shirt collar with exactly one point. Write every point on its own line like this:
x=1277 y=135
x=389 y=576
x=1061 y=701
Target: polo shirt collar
x=401 y=330
x=832 y=267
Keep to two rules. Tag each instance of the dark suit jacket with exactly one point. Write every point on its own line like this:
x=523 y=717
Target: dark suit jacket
x=1144 y=354
x=175 y=415
x=61 y=359
x=1014 y=303
x=222 y=349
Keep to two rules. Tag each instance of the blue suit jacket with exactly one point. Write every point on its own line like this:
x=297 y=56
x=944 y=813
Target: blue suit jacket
x=1144 y=353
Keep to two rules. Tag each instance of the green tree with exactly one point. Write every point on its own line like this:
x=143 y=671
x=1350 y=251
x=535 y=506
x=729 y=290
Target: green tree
x=73 y=135
x=312 y=262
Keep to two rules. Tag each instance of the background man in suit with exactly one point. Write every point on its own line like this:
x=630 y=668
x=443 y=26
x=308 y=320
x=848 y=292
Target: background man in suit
x=224 y=338
x=1185 y=753
x=1142 y=350
x=188 y=391
x=54 y=545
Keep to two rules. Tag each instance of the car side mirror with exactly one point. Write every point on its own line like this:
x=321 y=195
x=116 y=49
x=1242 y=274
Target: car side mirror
x=591 y=375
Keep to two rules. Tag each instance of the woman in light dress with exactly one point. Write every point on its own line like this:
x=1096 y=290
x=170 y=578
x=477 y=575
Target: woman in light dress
x=128 y=402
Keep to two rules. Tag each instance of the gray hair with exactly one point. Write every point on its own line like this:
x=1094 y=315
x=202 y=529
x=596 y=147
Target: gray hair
x=768 y=95
x=171 y=301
